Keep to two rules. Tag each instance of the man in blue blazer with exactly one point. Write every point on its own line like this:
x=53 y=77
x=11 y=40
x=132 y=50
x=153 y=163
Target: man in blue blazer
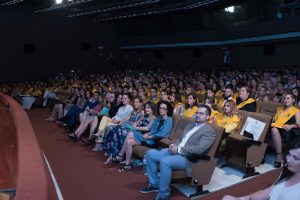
x=196 y=138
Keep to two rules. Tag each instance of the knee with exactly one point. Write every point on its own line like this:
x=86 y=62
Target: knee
x=274 y=130
x=130 y=142
x=130 y=134
x=150 y=153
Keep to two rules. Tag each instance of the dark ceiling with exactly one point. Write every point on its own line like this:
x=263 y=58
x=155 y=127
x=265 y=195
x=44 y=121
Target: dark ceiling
x=106 y=10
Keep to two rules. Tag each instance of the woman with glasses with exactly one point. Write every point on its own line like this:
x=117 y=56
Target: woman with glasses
x=160 y=128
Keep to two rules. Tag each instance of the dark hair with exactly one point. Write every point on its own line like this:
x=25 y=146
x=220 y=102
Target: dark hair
x=152 y=106
x=289 y=93
x=212 y=101
x=194 y=97
x=177 y=96
x=169 y=107
x=248 y=89
x=128 y=95
x=229 y=86
x=208 y=110
x=286 y=173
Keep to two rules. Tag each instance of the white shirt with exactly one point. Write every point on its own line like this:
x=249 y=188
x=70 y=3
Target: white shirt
x=123 y=112
x=283 y=192
x=186 y=137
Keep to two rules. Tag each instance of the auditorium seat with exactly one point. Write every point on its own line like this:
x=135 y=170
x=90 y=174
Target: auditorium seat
x=203 y=169
x=243 y=151
x=269 y=108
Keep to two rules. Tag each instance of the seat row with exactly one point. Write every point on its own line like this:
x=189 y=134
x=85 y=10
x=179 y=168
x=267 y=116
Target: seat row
x=251 y=150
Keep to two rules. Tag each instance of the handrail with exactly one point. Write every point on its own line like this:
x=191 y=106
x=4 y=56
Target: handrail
x=31 y=175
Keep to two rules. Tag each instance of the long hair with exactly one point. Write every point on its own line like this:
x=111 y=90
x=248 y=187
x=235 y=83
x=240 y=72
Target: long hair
x=286 y=173
x=169 y=107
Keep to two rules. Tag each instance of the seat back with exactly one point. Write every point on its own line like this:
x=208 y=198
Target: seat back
x=175 y=119
x=269 y=108
x=202 y=171
x=260 y=117
x=214 y=150
x=179 y=125
x=242 y=114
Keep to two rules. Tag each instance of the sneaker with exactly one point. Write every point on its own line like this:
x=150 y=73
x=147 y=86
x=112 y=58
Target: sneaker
x=149 y=188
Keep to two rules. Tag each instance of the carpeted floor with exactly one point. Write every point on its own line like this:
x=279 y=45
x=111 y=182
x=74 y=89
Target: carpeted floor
x=81 y=174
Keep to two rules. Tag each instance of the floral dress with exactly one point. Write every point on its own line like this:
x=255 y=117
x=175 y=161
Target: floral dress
x=113 y=142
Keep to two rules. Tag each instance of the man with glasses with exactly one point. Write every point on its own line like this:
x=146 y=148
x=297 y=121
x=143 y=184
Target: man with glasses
x=196 y=138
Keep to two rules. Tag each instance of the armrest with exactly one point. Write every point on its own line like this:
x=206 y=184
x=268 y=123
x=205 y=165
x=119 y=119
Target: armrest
x=156 y=139
x=244 y=140
x=196 y=157
x=166 y=142
x=249 y=143
x=237 y=137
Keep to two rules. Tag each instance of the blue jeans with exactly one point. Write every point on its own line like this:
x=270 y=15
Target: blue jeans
x=167 y=162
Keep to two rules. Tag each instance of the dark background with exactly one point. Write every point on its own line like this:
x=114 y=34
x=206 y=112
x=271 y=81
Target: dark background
x=35 y=45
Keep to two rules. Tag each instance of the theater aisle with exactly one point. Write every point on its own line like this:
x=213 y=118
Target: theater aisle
x=79 y=172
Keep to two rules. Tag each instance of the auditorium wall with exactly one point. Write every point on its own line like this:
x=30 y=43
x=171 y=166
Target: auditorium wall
x=57 y=45
x=242 y=55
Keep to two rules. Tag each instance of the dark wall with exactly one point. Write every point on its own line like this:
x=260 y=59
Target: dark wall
x=57 y=45
x=242 y=55
x=284 y=53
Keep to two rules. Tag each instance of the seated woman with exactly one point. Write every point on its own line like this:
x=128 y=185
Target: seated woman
x=227 y=119
x=160 y=128
x=94 y=114
x=113 y=146
x=74 y=112
x=121 y=115
x=261 y=94
x=135 y=115
x=244 y=102
x=286 y=119
x=175 y=99
x=86 y=118
x=210 y=102
x=287 y=186
x=60 y=107
x=191 y=106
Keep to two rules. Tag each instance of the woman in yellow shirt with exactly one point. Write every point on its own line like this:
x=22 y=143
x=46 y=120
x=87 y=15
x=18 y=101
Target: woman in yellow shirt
x=227 y=119
x=210 y=102
x=286 y=120
x=191 y=106
x=178 y=106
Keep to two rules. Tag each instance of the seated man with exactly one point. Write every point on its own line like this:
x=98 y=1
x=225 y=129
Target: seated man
x=197 y=138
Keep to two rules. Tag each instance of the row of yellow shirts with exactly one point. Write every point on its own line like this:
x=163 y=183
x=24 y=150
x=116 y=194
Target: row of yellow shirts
x=30 y=91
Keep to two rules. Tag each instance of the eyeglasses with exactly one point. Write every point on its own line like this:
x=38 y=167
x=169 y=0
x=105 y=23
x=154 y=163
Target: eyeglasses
x=163 y=108
x=201 y=113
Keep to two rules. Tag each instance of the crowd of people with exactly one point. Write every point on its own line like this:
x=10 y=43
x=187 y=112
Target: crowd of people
x=124 y=109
